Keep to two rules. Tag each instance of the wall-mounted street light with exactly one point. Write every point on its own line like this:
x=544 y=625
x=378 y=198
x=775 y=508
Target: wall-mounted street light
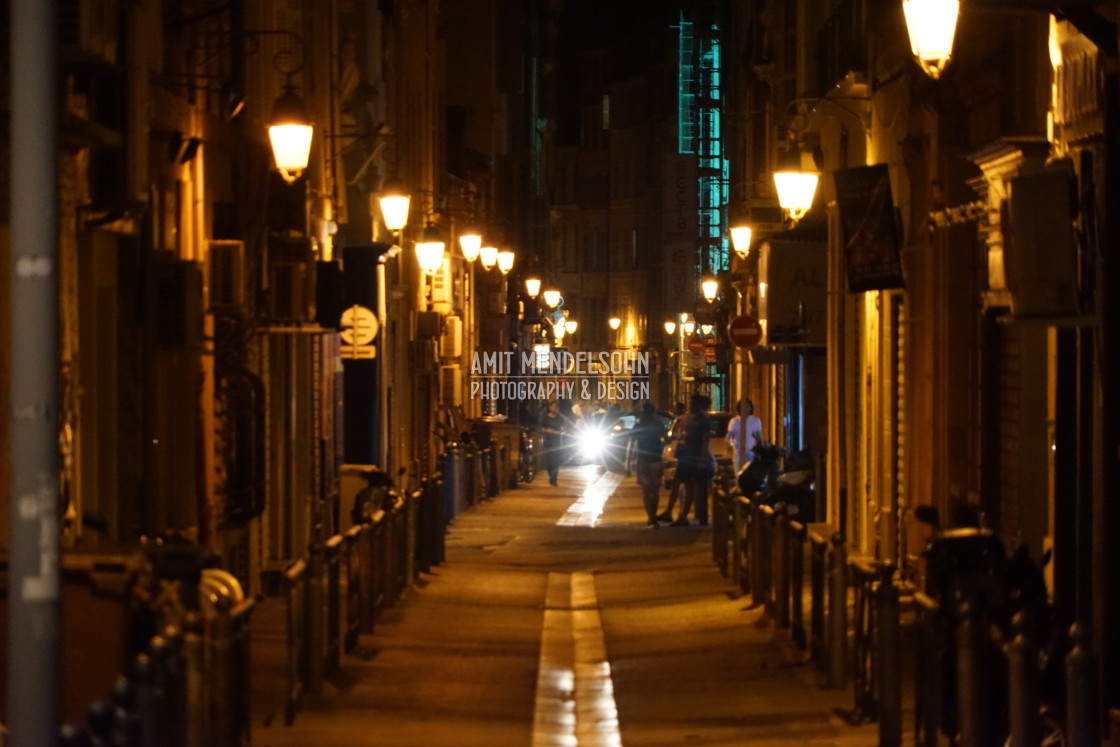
x=932 y=24
x=289 y=131
x=706 y=329
x=670 y=327
x=488 y=255
x=505 y=261
x=551 y=298
x=614 y=322
x=470 y=242
x=429 y=250
x=394 y=203
x=796 y=185
x=709 y=286
x=533 y=286
x=741 y=240
x=571 y=326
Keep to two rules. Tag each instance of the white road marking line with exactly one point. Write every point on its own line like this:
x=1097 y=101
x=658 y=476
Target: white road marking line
x=575 y=702
x=587 y=509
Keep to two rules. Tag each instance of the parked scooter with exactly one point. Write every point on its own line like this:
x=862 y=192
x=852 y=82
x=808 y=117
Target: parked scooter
x=968 y=563
x=763 y=479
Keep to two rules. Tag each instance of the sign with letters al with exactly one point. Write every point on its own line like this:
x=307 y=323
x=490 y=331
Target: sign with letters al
x=870 y=228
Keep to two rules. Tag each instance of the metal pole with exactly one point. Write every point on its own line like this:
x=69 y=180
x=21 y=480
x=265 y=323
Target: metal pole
x=837 y=613
x=1083 y=715
x=1023 y=687
x=780 y=567
x=971 y=679
x=33 y=506
x=889 y=652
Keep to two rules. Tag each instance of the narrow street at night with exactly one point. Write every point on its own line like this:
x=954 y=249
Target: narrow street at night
x=502 y=644
x=559 y=373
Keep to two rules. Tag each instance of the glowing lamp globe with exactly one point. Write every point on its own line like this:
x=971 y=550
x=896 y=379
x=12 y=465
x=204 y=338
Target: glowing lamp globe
x=394 y=201
x=470 y=242
x=741 y=240
x=533 y=286
x=932 y=24
x=488 y=255
x=709 y=286
x=505 y=261
x=289 y=131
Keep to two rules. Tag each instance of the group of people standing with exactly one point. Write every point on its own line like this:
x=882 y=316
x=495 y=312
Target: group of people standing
x=690 y=432
x=695 y=463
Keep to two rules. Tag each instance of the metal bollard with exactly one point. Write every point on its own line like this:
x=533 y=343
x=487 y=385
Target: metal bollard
x=316 y=617
x=797 y=534
x=196 y=718
x=971 y=677
x=740 y=549
x=334 y=643
x=1083 y=728
x=837 y=613
x=1023 y=687
x=758 y=595
x=412 y=538
x=889 y=653
x=781 y=566
x=817 y=573
x=929 y=678
x=295 y=584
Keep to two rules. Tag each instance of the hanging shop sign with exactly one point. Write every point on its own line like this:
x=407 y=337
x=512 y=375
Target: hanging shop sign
x=870 y=228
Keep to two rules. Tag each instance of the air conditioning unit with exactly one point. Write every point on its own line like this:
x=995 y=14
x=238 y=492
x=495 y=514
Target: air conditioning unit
x=227 y=275
x=451 y=342
x=451 y=385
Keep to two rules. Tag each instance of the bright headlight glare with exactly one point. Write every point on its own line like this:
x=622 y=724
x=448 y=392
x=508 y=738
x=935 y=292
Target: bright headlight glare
x=592 y=442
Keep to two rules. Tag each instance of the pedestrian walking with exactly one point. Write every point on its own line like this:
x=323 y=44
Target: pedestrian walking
x=673 y=486
x=647 y=436
x=553 y=428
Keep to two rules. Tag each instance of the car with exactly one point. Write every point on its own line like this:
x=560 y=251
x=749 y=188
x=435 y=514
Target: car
x=717 y=445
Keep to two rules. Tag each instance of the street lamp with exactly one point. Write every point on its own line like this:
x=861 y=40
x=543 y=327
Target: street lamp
x=709 y=286
x=670 y=327
x=558 y=330
x=505 y=261
x=551 y=298
x=289 y=130
x=796 y=185
x=532 y=286
x=932 y=24
x=614 y=322
x=571 y=326
x=429 y=251
x=394 y=202
x=470 y=242
x=488 y=256
x=741 y=240
x=689 y=327
x=706 y=329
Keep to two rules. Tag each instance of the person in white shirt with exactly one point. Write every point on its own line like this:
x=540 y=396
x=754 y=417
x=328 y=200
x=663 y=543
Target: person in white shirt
x=753 y=434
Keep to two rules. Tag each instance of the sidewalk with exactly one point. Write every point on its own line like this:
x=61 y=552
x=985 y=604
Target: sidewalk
x=504 y=644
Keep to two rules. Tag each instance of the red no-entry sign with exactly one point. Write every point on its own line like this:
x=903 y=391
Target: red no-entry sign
x=696 y=344
x=744 y=331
